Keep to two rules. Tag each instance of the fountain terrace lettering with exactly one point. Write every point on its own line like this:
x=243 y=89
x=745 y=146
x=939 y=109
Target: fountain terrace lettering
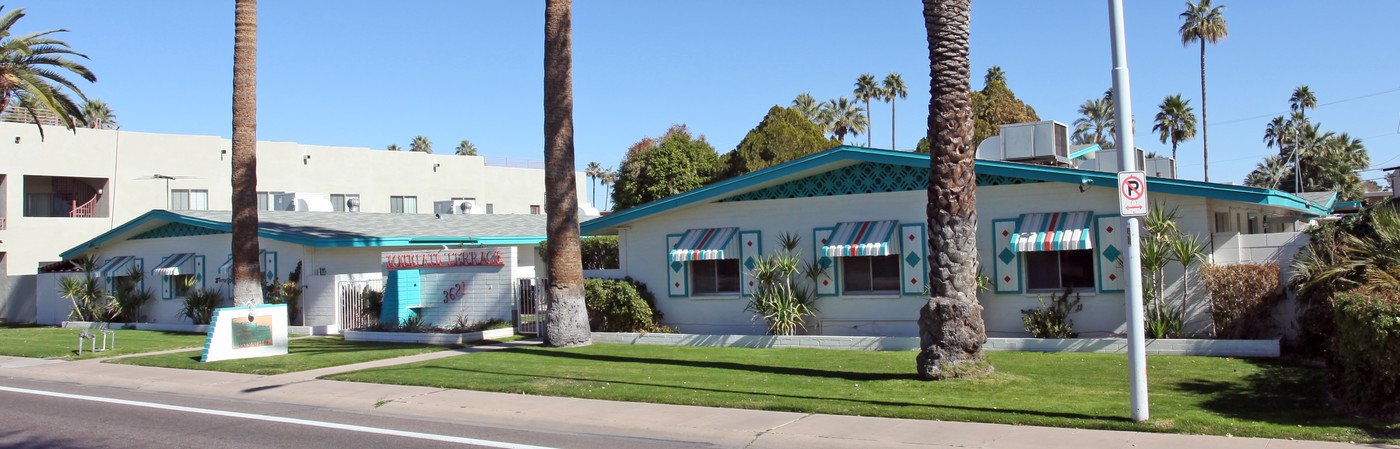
x=449 y=258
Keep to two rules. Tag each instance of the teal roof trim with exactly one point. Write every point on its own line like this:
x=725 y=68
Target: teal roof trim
x=845 y=155
x=176 y=230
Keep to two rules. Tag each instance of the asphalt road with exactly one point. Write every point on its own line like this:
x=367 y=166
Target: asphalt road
x=90 y=417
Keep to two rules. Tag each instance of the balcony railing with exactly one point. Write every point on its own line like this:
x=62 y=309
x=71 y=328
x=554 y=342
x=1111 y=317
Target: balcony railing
x=2 y=223
x=513 y=162
x=86 y=210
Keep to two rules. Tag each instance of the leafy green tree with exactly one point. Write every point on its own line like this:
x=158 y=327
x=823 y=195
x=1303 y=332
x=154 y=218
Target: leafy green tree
x=867 y=89
x=894 y=89
x=567 y=323
x=840 y=116
x=951 y=330
x=783 y=135
x=97 y=115
x=1174 y=121
x=29 y=72
x=421 y=144
x=996 y=105
x=659 y=168
x=466 y=148
x=1205 y=24
x=809 y=108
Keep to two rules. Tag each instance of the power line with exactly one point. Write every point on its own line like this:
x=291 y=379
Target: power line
x=1227 y=122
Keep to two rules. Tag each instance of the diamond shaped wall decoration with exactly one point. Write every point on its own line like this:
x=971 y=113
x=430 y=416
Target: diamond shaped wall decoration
x=1006 y=255
x=1111 y=252
x=825 y=262
x=677 y=266
x=913 y=259
x=749 y=263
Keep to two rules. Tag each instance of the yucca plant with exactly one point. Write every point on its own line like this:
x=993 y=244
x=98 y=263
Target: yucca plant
x=128 y=297
x=781 y=297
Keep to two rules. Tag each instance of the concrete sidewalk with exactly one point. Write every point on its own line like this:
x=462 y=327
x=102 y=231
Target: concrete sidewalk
x=731 y=428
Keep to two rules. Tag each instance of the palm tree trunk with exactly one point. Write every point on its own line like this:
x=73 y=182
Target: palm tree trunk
x=1205 y=133
x=868 y=143
x=892 y=100
x=951 y=331
x=567 y=324
x=247 y=276
x=1173 y=149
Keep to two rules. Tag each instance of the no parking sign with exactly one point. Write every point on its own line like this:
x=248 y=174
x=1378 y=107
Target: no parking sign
x=1132 y=193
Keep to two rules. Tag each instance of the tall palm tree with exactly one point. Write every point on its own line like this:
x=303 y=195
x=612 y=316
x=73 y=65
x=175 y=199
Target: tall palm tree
x=841 y=116
x=1278 y=133
x=466 y=148
x=994 y=75
x=867 y=89
x=951 y=332
x=1096 y=124
x=1302 y=99
x=97 y=115
x=809 y=108
x=247 y=274
x=393 y=147
x=593 y=171
x=421 y=144
x=608 y=178
x=567 y=324
x=29 y=71
x=1205 y=24
x=894 y=88
x=1174 y=121
x=1267 y=173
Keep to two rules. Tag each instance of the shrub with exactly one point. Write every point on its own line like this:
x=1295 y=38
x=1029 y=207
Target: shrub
x=782 y=297
x=288 y=293
x=618 y=306
x=372 y=303
x=1242 y=298
x=1368 y=319
x=200 y=304
x=1052 y=320
x=597 y=253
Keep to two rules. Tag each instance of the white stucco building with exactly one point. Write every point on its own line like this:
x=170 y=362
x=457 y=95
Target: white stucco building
x=71 y=186
x=861 y=214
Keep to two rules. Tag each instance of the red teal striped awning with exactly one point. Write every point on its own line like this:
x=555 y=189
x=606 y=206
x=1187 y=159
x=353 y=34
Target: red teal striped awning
x=1058 y=231
x=172 y=265
x=706 y=244
x=861 y=238
x=114 y=267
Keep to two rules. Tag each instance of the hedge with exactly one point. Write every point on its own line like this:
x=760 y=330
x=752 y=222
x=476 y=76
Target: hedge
x=1369 y=347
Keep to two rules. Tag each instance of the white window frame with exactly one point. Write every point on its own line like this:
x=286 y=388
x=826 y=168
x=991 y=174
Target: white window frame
x=339 y=205
x=189 y=199
x=1026 y=267
x=404 y=202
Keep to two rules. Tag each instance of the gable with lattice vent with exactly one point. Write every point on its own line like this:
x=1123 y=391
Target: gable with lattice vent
x=865 y=177
x=176 y=230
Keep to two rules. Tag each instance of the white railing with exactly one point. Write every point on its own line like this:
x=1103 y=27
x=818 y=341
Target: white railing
x=513 y=162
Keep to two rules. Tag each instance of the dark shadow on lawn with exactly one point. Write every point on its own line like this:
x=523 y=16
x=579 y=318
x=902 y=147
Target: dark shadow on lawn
x=1280 y=393
x=776 y=395
x=791 y=371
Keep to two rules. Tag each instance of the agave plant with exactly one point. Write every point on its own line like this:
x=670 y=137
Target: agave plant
x=781 y=296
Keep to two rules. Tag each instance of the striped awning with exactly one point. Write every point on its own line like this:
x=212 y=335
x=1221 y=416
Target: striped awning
x=706 y=244
x=175 y=265
x=861 y=238
x=226 y=267
x=113 y=267
x=1059 y=231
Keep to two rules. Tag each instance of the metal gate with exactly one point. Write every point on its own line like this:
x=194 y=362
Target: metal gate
x=530 y=294
x=350 y=302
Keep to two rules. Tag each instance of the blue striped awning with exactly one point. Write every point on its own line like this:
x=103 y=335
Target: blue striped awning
x=861 y=238
x=173 y=265
x=1059 y=231
x=113 y=267
x=706 y=244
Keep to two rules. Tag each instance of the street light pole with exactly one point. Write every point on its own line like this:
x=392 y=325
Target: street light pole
x=1127 y=161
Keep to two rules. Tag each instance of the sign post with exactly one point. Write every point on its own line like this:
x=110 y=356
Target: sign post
x=1132 y=202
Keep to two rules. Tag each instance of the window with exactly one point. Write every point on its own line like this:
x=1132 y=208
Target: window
x=339 y=201
x=187 y=199
x=534 y=209
x=1253 y=223
x=183 y=284
x=1222 y=222
x=490 y=208
x=870 y=274
x=714 y=277
x=1051 y=271
x=403 y=204
x=267 y=200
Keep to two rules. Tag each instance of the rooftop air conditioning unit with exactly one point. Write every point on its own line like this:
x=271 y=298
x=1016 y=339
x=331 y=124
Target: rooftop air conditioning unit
x=1107 y=161
x=1034 y=142
x=1160 y=167
x=302 y=202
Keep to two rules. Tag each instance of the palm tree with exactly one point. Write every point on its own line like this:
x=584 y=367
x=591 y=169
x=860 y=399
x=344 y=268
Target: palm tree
x=97 y=115
x=1267 y=173
x=1186 y=250
x=1175 y=121
x=567 y=323
x=1302 y=99
x=994 y=75
x=393 y=147
x=608 y=178
x=894 y=88
x=1096 y=124
x=247 y=274
x=593 y=171
x=951 y=332
x=421 y=144
x=28 y=72
x=840 y=116
x=1204 y=24
x=809 y=108
x=466 y=148
x=866 y=90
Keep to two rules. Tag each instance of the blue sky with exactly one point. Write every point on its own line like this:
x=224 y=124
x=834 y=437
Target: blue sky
x=371 y=74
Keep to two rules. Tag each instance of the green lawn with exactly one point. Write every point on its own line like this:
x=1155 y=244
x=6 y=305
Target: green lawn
x=1203 y=395
x=52 y=342
x=303 y=354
